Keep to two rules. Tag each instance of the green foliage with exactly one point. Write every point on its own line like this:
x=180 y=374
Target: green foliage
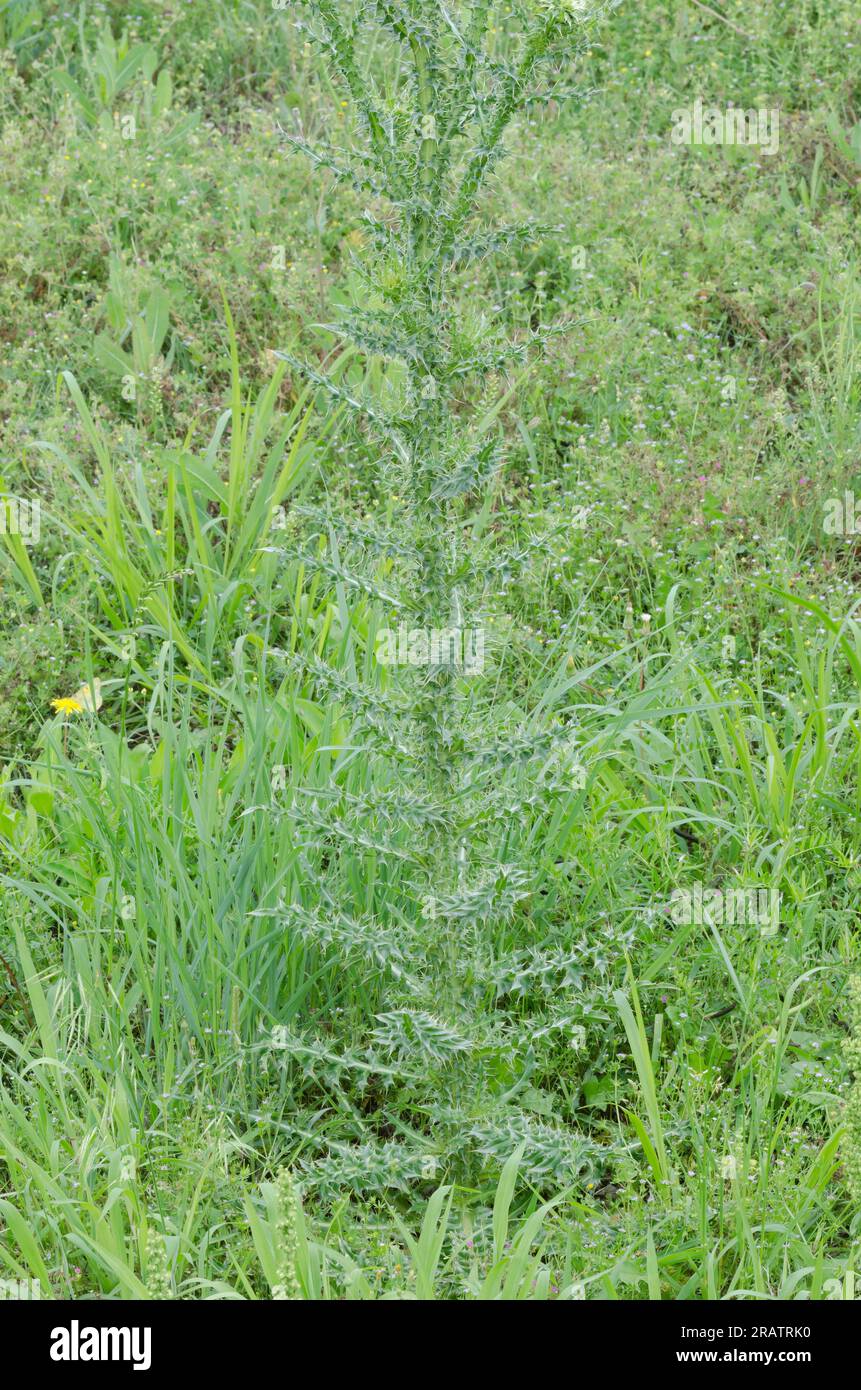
x=425 y=149
x=853 y=1105
x=287 y=1283
x=282 y=918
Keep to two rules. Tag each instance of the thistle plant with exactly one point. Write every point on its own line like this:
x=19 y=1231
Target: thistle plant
x=287 y=1286
x=158 y=1280
x=852 y=1117
x=448 y=877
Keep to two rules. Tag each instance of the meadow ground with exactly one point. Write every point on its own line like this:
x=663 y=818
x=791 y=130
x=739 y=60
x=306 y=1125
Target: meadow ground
x=217 y=1000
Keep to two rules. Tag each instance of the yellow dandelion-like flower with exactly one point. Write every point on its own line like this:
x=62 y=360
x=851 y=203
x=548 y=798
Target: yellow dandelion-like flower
x=88 y=697
x=66 y=706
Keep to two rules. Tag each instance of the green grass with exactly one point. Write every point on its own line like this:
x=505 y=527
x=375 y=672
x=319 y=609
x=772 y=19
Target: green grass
x=197 y=957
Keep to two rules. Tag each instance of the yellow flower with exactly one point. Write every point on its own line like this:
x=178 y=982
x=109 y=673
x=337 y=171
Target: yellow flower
x=66 y=706
x=87 y=697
